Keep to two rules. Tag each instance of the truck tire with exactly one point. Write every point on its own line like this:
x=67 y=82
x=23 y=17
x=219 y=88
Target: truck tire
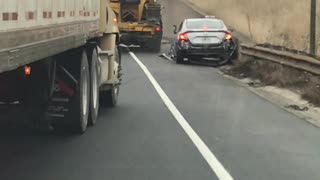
x=71 y=115
x=109 y=98
x=80 y=107
x=94 y=88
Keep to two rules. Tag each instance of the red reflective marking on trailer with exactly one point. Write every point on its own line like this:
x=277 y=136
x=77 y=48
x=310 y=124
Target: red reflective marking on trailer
x=47 y=15
x=86 y=13
x=14 y=16
x=30 y=15
x=64 y=88
x=61 y=13
x=5 y=16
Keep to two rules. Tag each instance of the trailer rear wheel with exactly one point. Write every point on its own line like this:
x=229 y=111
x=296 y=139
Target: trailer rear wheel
x=94 y=92
x=69 y=105
x=110 y=98
x=80 y=107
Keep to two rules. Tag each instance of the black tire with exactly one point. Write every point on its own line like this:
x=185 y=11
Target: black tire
x=79 y=109
x=109 y=98
x=179 y=58
x=71 y=113
x=94 y=88
x=224 y=61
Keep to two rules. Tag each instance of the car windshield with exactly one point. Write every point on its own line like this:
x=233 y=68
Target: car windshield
x=201 y=23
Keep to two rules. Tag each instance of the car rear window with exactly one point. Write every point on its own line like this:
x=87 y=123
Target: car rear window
x=207 y=23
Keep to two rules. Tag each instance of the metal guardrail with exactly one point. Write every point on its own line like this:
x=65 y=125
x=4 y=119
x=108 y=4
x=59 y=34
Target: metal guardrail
x=297 y=61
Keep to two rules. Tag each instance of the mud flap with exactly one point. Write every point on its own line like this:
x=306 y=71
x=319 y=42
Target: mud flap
x=62 y=97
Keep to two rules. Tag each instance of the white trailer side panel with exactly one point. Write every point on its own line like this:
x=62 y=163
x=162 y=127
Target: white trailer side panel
x=16 y=14
x=31 y=30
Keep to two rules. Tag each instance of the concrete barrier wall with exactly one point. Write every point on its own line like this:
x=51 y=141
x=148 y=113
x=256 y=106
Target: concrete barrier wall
x=279 y=22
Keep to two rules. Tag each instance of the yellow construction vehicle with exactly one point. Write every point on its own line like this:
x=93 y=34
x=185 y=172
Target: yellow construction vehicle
x=139 y=22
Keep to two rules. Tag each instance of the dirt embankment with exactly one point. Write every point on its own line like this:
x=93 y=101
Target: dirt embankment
x=279 y=22
x=266 y=73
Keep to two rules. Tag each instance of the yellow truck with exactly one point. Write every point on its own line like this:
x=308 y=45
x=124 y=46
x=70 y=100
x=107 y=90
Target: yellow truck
x=139 y=22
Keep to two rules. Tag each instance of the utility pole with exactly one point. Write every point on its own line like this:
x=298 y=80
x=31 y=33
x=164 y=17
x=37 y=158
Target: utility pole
x=313 y=27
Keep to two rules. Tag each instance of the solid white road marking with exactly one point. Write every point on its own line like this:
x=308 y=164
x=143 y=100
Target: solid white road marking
x=211 y=159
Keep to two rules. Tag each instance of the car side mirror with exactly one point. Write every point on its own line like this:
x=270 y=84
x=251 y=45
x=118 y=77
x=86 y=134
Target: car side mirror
x=174 y=29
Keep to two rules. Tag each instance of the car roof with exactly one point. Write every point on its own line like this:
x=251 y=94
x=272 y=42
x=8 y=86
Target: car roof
x=201 y=19
x=206 y=19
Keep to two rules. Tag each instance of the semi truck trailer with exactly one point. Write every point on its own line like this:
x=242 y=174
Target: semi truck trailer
x=59 y=60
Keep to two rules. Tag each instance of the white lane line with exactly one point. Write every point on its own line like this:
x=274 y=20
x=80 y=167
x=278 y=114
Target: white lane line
x=211 y=159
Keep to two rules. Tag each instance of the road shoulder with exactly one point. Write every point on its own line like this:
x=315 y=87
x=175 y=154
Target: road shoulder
x=283 y=98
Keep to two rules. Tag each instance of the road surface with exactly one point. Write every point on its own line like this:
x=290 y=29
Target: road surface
x=145 y=138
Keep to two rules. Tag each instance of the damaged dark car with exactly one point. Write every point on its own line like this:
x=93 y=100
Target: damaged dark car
x=203 y=40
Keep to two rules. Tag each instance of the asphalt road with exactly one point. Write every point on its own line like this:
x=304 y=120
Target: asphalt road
x=141 y=139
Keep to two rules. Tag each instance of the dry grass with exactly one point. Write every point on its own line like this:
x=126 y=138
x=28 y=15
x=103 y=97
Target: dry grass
x=273 y=74
x=284 y=23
